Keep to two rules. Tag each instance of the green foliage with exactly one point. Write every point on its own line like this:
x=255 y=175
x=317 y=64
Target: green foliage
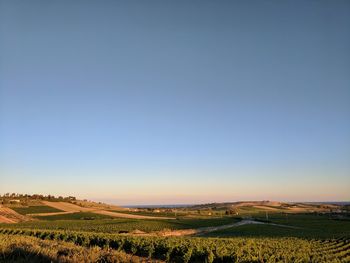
x=31 y=249
x=149 y=213
x=255 y=231
x=75 y=216
x=27 y=197
x=35 y=209
x=310 y=225
x=207 y=249
x=300 y=225
x=118 y=224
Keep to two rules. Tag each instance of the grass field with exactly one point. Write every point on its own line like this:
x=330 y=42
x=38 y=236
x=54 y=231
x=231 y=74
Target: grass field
x=37 y=209
x=74 y=216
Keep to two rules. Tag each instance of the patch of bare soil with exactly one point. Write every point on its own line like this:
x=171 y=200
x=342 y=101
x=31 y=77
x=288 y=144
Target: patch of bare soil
x=6 y=220
x=138 y=232
x=9 y=216
x=177 y=233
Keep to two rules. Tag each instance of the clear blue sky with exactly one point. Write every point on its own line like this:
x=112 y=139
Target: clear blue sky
x=175 y=101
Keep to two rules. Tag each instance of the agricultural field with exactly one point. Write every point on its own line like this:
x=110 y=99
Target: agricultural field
x=73 y=216
x=14 y=248
x=149 y=213
x=207 y=233
x=37 y=209
x=296 y=225
x=116 y=225
x=253 y=230
x=206 y=249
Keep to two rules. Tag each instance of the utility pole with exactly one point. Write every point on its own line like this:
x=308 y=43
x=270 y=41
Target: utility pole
x=267 y=216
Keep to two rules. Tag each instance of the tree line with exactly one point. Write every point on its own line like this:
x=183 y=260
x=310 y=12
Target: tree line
x=15 y=196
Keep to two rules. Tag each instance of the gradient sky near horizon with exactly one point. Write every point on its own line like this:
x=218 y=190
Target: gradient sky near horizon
x=158 y=102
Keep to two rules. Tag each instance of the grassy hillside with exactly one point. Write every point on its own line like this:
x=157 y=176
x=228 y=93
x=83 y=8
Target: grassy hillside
x=74 y=216
x=259 y=232
x=253 y=207
x=23 y=210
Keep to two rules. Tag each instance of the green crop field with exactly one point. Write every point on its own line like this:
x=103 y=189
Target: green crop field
x=207 y=249
x=74 y=216
x=118 y=224
x=262 y=236
x=35 y=209
x=308 y=226
x=311 y=225
x=15 y=248
x=145 y=213
x=254 y=231
x=298 y=225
